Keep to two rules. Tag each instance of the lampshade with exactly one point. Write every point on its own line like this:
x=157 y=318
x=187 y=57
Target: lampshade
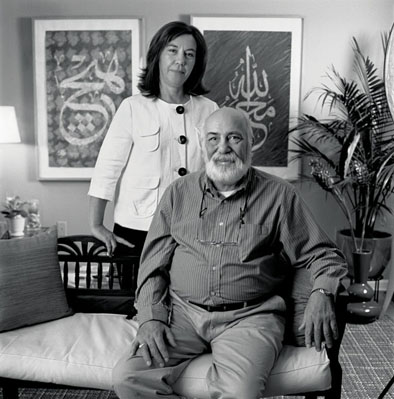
x=9 y=132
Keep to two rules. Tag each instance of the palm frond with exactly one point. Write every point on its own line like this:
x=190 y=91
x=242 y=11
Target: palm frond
x=348 y=149
x=306 y=149
x=331 y=130
x=356 y=140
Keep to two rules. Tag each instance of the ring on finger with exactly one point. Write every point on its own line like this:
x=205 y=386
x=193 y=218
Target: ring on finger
x=140 y=346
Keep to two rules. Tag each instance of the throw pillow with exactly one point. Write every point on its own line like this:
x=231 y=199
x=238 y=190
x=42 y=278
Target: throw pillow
x=31 y=288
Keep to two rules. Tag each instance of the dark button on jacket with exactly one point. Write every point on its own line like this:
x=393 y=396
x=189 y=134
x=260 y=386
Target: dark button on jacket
x=182 y=171
x=182 y=139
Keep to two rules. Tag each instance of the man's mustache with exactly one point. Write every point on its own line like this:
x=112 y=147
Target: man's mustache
x=224 y=157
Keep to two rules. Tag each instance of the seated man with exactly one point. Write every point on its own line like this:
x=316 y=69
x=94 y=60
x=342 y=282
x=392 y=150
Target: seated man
x=212 y=273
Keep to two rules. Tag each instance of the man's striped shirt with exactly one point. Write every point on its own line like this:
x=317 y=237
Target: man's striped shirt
x=214 y=250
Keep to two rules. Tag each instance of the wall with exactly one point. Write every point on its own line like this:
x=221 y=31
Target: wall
x=328 y=29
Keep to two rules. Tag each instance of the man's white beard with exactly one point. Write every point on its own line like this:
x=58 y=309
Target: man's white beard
x=229 y=173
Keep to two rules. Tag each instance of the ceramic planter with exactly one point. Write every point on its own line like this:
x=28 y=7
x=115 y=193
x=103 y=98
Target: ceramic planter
x=16 y=226
x=379 y=245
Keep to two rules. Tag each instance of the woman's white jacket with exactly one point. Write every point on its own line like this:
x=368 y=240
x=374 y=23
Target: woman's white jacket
x=143 y=152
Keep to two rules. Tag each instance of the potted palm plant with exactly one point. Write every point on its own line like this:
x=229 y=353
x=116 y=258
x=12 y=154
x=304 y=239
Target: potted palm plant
x=351 y=155
x=15 y=213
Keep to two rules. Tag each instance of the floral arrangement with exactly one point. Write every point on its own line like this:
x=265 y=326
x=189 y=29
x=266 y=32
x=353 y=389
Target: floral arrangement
x=14 y=206
x=351 y=153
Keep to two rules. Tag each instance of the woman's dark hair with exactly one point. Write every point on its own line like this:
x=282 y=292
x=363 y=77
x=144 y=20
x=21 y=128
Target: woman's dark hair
x=149 y=83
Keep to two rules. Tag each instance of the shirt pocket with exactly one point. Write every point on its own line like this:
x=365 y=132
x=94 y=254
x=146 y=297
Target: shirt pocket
x=144 y=195
x=147 y=138
x=253 y=241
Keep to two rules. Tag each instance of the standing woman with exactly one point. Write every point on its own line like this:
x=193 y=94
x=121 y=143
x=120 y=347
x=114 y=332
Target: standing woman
x=153 y=138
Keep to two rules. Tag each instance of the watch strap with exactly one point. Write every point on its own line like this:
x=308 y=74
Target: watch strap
x=324 y=292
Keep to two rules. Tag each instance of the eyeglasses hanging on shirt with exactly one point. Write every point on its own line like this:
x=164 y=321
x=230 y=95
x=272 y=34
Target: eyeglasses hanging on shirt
x=203 y=209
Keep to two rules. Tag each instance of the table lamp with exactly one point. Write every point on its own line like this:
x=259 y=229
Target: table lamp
x=9 y=132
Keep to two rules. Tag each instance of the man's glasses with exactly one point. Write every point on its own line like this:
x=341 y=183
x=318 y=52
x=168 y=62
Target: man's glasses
x=203 y=209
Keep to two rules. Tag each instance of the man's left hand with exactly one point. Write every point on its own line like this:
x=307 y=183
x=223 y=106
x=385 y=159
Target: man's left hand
x=319 y=321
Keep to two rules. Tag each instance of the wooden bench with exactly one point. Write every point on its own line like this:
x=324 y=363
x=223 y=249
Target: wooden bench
x=101 y=289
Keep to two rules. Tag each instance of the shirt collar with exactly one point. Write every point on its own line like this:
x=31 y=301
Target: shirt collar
x=245 y=182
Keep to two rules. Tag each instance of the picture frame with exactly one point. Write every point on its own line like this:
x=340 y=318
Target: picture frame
x=254 y=64
x=389 y=72
x=83 y=69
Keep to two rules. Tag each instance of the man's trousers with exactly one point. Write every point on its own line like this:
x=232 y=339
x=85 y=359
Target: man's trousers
x=245 y=344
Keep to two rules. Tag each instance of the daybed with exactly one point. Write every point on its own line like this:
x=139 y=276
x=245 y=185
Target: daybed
x=70 y=332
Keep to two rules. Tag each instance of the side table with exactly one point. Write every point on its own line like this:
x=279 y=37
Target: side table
x=386 y=388
x=28 y=233
x=389 y=292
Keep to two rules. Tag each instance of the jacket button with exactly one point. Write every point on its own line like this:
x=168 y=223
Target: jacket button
x=180 y=109
x=182 y=171
x=182 y=139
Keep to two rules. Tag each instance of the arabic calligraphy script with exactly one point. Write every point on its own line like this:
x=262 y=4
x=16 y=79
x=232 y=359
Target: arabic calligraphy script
x=249 y=91
x=87 y=109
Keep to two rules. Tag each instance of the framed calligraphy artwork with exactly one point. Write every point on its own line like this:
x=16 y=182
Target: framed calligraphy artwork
x=254 y=64
x=83 y=69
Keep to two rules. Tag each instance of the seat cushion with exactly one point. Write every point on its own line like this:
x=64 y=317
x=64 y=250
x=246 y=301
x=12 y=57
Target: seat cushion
x=298 y=369
x=81 y=350
x=31 y=288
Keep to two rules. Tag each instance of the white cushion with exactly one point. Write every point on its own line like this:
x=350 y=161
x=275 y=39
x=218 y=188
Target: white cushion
x=81 y=350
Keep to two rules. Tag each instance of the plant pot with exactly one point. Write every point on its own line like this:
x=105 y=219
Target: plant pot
x=16 y=226
x=380 y=245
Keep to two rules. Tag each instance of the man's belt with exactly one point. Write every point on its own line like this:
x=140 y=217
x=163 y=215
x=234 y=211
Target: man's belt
x=229 y=306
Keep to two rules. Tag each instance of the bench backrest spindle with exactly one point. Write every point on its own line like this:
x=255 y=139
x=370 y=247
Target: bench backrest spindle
x=88 y=270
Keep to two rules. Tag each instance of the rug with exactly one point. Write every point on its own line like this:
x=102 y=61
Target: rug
x=367 y=359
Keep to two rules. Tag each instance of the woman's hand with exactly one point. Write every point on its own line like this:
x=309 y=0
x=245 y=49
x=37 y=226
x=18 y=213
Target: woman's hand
x=151 y=340
x=96 y=217
x=109 y=238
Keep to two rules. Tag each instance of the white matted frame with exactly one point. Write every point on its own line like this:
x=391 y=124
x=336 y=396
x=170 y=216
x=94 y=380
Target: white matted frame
x=83 y=69
x=254 y=64
x=389 y=87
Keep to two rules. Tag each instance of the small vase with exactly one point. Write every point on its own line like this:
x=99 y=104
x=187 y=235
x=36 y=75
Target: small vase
x=360 y=290
x=361 y=309
x=363 y=312
x=16 y=226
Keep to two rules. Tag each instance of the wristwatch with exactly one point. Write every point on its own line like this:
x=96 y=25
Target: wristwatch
x=324 y=292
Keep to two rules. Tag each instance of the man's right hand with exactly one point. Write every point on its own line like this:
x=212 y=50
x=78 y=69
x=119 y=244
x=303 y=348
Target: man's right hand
x=151 y=340
x=109 y=238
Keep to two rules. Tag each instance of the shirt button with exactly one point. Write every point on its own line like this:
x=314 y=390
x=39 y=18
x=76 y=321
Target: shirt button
x=182 y=171
x=214 y=268
x=213 y=293
x=180 y=109
x=182 y=139
x=221 y=224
